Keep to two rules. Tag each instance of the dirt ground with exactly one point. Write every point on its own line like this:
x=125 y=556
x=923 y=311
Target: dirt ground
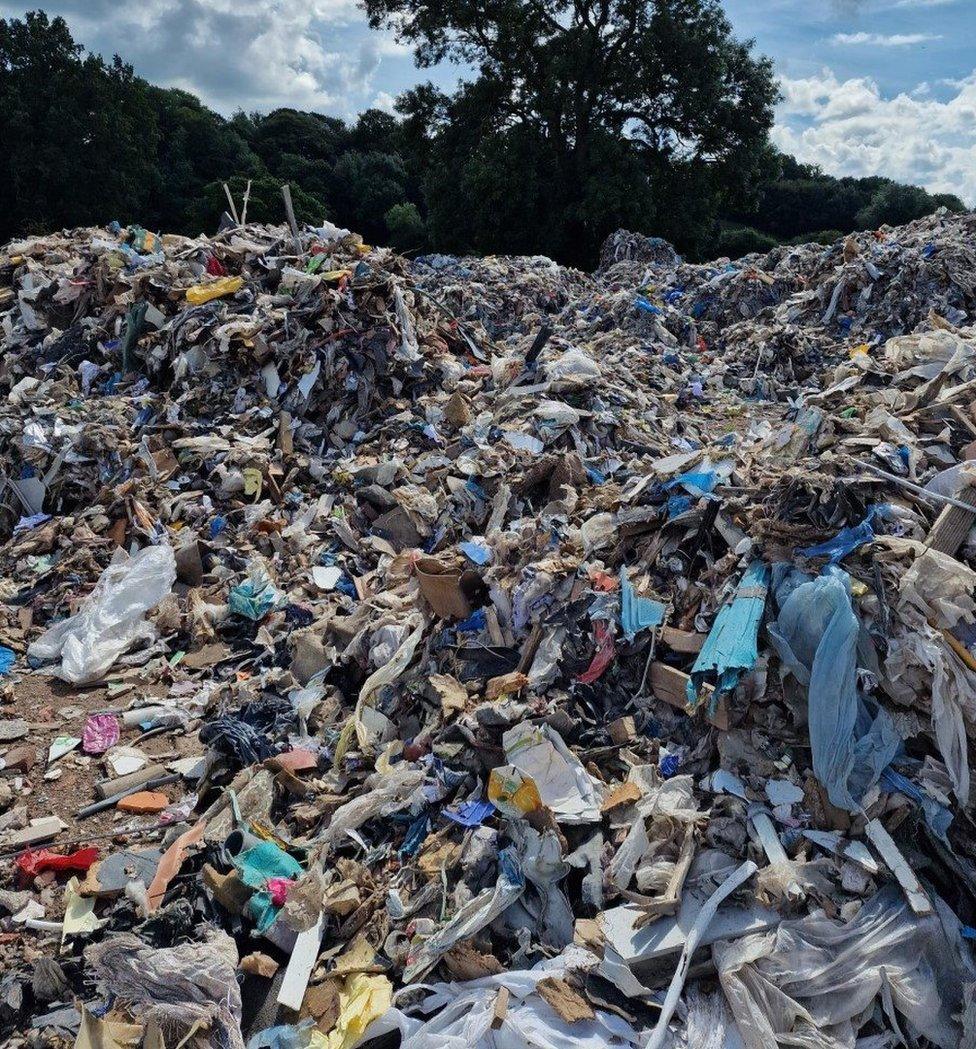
x=53 y=708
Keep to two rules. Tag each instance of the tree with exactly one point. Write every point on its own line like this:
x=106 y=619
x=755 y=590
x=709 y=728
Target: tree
x=894 y=204
x=78 y=134
x=196 y=147
x=405 y=228
x=652 y=99
x=737 y=241
x=265 y=204
x=367 y=185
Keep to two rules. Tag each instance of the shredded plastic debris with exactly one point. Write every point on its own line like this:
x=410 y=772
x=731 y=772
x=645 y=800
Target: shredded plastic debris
x=474 y=652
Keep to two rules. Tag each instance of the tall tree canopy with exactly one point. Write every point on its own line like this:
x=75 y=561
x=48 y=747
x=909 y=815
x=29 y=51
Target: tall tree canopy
x=582 y=116
x=640 y=112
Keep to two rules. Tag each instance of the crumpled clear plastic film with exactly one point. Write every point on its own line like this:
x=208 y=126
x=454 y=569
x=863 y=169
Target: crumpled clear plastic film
x=812 y=982
x=461 y=1015
x=112 y=618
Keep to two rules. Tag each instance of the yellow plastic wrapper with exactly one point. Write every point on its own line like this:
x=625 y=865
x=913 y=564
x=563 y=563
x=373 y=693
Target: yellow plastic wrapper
x=201 y=293
x=363 y=998
x=253 y=482
x=511 y=792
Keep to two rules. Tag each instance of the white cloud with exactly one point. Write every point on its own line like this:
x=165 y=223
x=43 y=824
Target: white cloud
x=250 y=54
x=923 y=3
x=849 y=128
x=881 y=40
x=385 y=101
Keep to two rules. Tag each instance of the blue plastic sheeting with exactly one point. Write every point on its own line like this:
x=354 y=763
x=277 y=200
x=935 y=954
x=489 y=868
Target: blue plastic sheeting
x=6 y=659
x=937 y=816
x=637 y=613
x=416 y=835
x=698 y=482
x=731 y=647
x=470 y=813
x=853 y=740
x=253 y=599
x=285 y=1036
x=477 y=551
x=847 y=540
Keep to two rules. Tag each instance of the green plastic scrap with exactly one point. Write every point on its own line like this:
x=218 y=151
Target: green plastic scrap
x=256 y=866
x=731 y=647
x=135 y=325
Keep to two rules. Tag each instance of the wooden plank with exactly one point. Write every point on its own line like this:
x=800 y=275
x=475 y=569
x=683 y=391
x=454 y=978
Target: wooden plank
x=291 y=994
x=500 y=1009
x=686 y=641
x=953 y=524
x=917 y=898
x=668 y=684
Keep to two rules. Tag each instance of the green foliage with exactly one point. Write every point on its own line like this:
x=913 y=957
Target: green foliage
x=894 y=205
x=367 y=185
x=264 y=203
x=78 y=139
x=736 y=241
x=798 y=200
x=406 y=228
x=579 y=119
x=824 y=236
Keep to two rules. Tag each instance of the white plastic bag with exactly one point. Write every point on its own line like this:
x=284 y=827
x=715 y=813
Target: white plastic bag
x=461 y=1015
x=575 y=365
x=812 y=982
x=112 y=618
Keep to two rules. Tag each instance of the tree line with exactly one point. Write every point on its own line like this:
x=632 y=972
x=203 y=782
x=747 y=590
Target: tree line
x=582 y=116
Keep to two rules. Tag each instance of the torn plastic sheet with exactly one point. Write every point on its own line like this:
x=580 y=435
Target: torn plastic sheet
x=470 y=813
x=544 y=906
x=602 y=657
x=809 y=983
x=471 y=918
x=816 y=634
x=919 y=662
x=937 y=816
x=461 y=1014
x=847 y=540
x=731 y=647
x=637 y=613
x=563 y=784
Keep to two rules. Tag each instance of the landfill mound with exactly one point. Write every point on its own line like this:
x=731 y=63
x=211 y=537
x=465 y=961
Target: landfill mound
x=477 y=652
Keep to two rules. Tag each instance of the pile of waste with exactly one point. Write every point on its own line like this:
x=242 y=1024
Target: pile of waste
x=476 y=652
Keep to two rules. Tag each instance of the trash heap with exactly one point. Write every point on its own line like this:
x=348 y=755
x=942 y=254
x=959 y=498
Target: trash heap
x=477 y=652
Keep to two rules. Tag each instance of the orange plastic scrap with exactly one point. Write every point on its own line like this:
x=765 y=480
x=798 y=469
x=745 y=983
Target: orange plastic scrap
x=171 y=862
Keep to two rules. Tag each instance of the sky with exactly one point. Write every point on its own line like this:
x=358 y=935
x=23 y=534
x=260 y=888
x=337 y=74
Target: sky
x=869 y=86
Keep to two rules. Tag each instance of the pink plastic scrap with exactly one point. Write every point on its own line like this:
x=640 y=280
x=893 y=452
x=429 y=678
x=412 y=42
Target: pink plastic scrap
x=101 y=732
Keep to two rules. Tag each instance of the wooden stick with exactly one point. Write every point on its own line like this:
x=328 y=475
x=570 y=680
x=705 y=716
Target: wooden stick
x=898 y=865
x=230 y=201
x=290 y=212
x=247 y=197
x=917 y=488
x=953 y=524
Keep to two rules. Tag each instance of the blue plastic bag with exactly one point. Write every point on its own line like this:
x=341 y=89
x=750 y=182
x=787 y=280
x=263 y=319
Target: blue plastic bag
x=853 y=740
